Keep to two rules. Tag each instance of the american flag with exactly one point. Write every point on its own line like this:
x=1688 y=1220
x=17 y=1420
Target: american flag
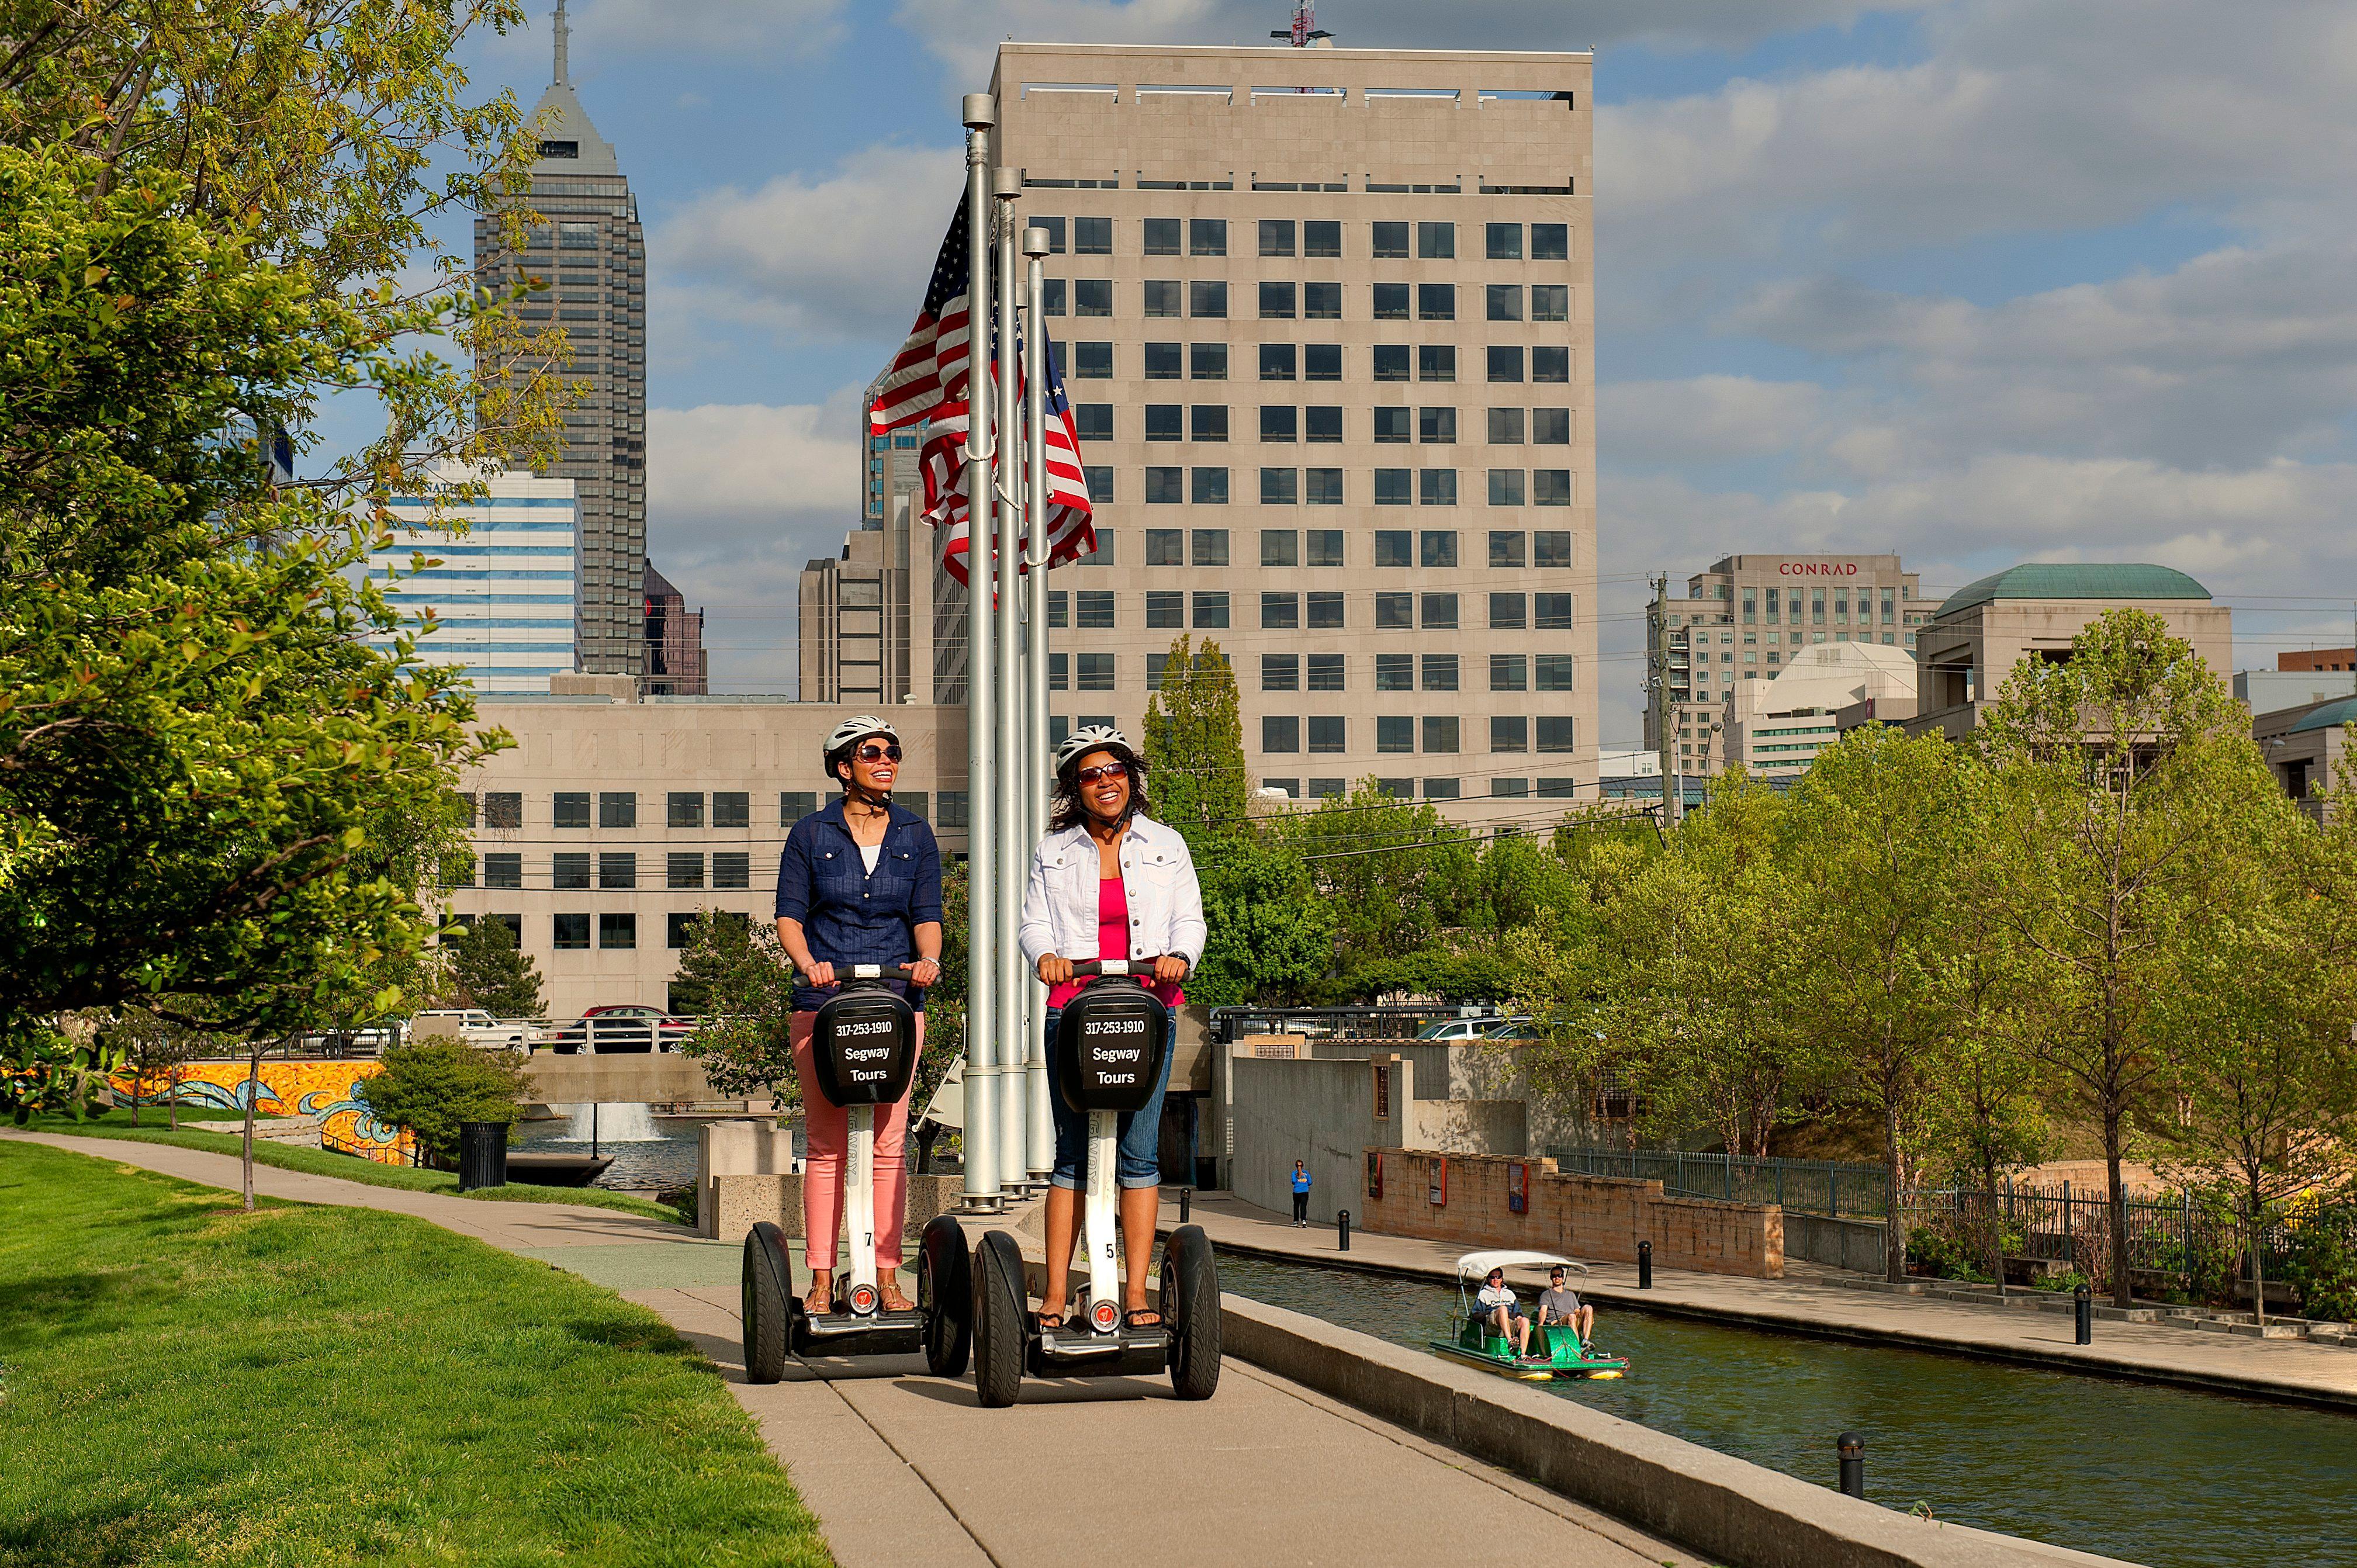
x=1071 y=522
x=929 y=369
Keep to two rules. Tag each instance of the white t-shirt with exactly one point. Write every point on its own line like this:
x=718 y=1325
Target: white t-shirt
x=869 y=853
x=1496 y=1296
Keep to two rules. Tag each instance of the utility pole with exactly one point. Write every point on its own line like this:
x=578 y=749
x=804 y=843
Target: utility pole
x=1658 y=698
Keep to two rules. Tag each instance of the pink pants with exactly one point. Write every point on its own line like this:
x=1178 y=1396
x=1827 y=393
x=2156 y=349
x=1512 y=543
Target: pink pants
x=828 y=1130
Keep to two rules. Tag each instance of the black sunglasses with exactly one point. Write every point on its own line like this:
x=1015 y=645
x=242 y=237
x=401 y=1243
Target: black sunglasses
x=879 y=754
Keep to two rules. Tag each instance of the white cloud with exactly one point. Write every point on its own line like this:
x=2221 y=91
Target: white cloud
x=1703 y=418
x=843 y=255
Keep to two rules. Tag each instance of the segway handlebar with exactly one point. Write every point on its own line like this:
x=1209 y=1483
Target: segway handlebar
x=1086 y=967
x=844 y=972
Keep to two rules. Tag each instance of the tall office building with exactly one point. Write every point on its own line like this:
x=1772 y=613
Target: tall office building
x=872 y=625
x=677 y=665
x=589 y=248
x=504 y=589
x=1746 y=619
x=1327 y=322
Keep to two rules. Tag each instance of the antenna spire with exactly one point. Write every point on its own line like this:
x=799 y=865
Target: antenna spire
x=564 y=48
x=1304 y=31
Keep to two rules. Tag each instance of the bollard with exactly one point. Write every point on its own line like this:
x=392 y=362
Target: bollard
x=1644 y=1265
x=1342 y=1228
x=1852 y=1449
x=2082 y=1306
x=1186 y=1203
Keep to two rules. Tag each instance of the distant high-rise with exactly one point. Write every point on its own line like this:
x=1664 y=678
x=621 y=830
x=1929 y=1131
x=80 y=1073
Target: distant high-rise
x=592 y=252
x=677 y=665
x=502 y=591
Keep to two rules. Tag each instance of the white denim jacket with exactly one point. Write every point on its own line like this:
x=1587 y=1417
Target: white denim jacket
x=1157 y=876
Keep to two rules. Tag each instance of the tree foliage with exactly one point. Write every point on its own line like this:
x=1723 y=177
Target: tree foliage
x=489 y=969
x=433 y=1087
x=1194 y=742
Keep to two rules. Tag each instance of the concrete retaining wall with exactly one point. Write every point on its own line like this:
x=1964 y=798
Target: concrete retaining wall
x=1320 y=1113
x=1599 y=1219
x=1835 y=1243
x=651 y=1077
x=740 y=1202
x=1733 y=1511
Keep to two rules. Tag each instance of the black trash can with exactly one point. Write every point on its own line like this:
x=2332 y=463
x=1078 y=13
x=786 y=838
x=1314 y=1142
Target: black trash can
x=483 y=1154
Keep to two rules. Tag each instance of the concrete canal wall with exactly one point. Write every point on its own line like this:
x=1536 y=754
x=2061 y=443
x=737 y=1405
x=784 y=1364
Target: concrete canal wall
x=1468 y=1199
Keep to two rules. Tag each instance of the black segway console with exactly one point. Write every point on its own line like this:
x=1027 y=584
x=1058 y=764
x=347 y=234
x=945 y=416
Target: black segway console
x=863 y=1044
x=1110 y=1040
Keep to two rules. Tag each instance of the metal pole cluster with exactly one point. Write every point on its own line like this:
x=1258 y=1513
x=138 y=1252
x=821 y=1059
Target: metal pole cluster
x=1009 y=1140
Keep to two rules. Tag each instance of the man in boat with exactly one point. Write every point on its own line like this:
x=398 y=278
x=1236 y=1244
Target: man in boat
x=1497 y=1298
x=1560 y=1303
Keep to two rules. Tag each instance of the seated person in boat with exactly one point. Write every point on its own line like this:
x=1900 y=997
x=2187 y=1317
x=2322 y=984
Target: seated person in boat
x=1505 y=1313
x=1560 y=1303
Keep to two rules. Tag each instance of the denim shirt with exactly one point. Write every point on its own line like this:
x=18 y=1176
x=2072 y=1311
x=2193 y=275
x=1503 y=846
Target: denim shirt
x=849 y=914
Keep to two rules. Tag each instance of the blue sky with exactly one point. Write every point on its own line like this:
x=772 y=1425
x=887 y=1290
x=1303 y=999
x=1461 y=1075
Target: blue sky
x=1979 y=281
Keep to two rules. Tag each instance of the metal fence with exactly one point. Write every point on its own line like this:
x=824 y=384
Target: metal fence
x=1835 y=1188
x=1340 y=1023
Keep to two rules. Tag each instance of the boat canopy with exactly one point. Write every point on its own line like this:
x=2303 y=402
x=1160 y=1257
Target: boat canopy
x=1474 y=1266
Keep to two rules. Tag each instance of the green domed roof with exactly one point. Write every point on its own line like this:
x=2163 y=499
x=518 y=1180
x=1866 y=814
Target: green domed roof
x=2332 y=715
x=2077 y=580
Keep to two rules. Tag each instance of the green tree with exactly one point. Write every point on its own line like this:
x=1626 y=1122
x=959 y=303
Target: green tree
x=1395 y=872
x=734 y=975
x=1272 y=938
x=433 y=1086
x=1876 y=837
x=1194 y=743
x=489 y=969
x=2122 y=774
x=157 y=1052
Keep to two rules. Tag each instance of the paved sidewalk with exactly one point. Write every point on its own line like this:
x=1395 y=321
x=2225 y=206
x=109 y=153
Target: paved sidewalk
x=2266 y=1369
x=900 y=1467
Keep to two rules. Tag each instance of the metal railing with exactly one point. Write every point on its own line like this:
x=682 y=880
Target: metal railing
x=414 y=1156
x=1339 y=1023
x=1840 y=1189
x=603 y=1036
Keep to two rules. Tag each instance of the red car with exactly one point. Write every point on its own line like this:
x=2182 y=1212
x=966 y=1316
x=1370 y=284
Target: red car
x=623 y=1028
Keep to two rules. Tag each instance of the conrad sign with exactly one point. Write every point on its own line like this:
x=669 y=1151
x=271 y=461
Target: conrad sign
x=1816 y=569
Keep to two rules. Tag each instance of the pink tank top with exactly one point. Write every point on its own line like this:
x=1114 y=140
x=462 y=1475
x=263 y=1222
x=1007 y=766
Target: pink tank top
x=1113 y=941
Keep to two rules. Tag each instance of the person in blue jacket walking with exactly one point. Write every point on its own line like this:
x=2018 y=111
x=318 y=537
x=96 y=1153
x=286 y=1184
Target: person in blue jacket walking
x=1300 y=1193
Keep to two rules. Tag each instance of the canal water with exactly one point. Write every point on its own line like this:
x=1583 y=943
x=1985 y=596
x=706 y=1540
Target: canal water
x=2156 y=1475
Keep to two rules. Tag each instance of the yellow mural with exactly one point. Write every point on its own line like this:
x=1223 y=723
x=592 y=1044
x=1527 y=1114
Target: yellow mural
x=323 y=1089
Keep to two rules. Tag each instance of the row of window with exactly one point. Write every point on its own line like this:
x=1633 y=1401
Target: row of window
x=1389 y=239
x=1328 y=671
x=1433 y=734
x=729 y=809
x=1172 y=485
x=1430 y=424
x=572 y=869
x=1317 y=610
x=1434 y=789
x=1282 y=299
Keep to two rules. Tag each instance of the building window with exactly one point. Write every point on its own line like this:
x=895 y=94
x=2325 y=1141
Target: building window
x=684 y=868
x=1394 y=671
x=1165 y=546
x=1436 y=362
x=1059 y=672
x=1210 y=611
x=1321 y=302
x=1279 y=546
x=1092 y=296
x=1439 y=612
x=1166 y=422
x=679 y=922
x=732 y=869
x=617 y=868
x=1164 y=361
x=1551 y=427
x=1210 y=421
x=1162 y=298
x=1276 y=236
x=503 y=810
x=1442 y=788
x=1321 y=546
x=1436 y=241
x=1509 y=672
x=1509 y=733
x=1550 y=364
x=1506 y=612
x=1390 y=300
x=1324 y=611
x=1100 y=480
x=1093 y=421
x=1505 y=547
x=1280 y=612
x=684 y=810
x=1280 y=672
x=1093 y=236
x=1506 y=490
x=1505 y=301
x=1278 y=423
x=1394 y=612
x=1393 y=426
x=1206 y=299
x=1391 y=361
x=1551 y=671
x=1211 y=546
x=1550 y=302
x=1435 y=301
x=572 y=809
x=617 y=809
x=1164 y=486
x=1440 y=672
x=1391 y=487
x=1436 y=487
x=793 y=805
x=1440 y=733
x=1092 y=361
x=1437 y=427
x=570 y=932
x=1326 y=733
x=1395 y=733
x=955 y=809
x=1276 y=361
x=1280 y=733
x=1161 y=236
x=1505 y=242
x=1093 y=672
x=1289 y=788
x=1208 y=487
x=1505 y=361
x=1277 y=302
x=1390 y=242
x=1324 y=486
x=618 y=931
x=731 y=808
x=1554 y=733
x=1551 y=487
x=1550 y=241
x=1322 y=237
x=1551 y=547
x=1096 y=609
x=1165 y=609
x=1551 y=612
x=1051 y=296
x=1437 y=546
x=1395 y=547
x=504 y=871
x=1325 y=672
x=1207 y=236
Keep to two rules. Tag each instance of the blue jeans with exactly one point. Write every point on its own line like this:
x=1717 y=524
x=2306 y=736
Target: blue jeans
x=1139 y=1164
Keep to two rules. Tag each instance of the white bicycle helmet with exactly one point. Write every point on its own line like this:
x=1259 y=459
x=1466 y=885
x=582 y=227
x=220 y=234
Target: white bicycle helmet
x=850 y=731
x=1093 y=737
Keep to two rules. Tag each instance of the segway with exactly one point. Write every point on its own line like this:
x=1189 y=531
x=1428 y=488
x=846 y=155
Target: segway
x=863 y=1050
x=1110 y=1042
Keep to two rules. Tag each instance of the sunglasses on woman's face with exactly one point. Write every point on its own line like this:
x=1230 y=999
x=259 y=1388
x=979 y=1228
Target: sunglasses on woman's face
x=879 y=754
x=1103 y=770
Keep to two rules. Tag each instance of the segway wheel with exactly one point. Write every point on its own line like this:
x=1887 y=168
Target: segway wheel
x=1191 y=1305
x=999 y=1336
x=769 y=1293
x=945 y=1295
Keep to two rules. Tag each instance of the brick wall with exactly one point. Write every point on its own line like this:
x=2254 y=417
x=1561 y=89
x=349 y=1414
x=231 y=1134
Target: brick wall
x=1592 y=1219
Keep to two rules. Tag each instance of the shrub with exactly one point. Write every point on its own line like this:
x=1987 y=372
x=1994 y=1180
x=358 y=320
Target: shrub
x=2320 y=1258
x=432 y=1086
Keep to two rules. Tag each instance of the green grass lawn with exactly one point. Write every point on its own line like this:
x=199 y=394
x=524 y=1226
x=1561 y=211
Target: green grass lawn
x=116 y=1123
x=181 y=1382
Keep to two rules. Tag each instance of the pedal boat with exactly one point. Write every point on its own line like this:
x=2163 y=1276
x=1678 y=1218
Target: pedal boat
x=1477 y=1342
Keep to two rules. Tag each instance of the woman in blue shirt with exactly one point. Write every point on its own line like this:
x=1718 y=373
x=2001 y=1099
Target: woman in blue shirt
x=860 y=882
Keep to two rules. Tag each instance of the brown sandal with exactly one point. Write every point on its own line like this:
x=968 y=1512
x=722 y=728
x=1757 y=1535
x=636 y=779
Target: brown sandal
x=818 y=1302
x=893 y=1301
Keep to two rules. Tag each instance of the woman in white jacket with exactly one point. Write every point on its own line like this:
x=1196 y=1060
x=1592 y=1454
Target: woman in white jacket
x=1108 y=882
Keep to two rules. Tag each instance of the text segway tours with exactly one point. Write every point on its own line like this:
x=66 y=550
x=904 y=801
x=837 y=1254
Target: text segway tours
x=1111 y=1040
x=864 y=1054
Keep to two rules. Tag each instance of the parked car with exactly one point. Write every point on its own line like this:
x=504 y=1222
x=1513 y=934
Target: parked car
x=1456 y=1030
x=368 y=1042
x=1516 y=1029
x=622 y=1027
x=478 y=1028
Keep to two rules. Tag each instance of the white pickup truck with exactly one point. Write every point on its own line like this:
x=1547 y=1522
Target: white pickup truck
x=475 y=1026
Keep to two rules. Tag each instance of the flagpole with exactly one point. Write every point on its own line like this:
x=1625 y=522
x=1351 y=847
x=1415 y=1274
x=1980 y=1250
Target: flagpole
x=1013 y=857
x=983 y=937
x=1036 y=772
